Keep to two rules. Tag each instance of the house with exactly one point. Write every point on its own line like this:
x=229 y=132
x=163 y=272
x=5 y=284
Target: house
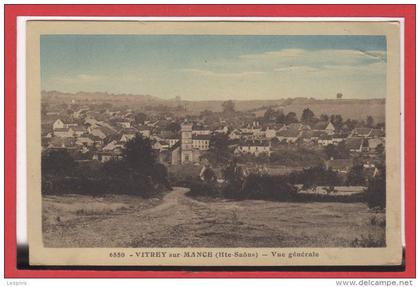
x=354 y=144
x=247 y=135
x=377 y=133
x=201 y=142
x=52 y=113
x=145 y=131
x=98 y=132
x=298 y=126
x=128 y=134
x=168 y=134
x=325 y=140
x=315 y=135
x=109 y=128
x=61 y=143
x=85 y=139
x=258 y=133
x=104 y=156
x=79 y=113
x=113 y=145
x=84 y=149
x=98 y=142
x=124 y=124
x=222 y=130
x=255 y=147
x=64 y=132
x=373 y=143
x=252 y=132
x=79 y=130
x=339 y=165
x=59 y=124
x=270 y=131
x=324 y=126
x=289 y=135
x=338 y=138
x=126 y=137
x=91 y=121
x=306 y=137
x=361 y=132
x=235 y=134
x=101 y=131
x=201 y=131
x=246 y=129
x=71 y=125
x=173 y=141
x=160 y=145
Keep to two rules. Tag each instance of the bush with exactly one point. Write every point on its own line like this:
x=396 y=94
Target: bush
x=137 y=173
x=234 y=178
x=315 y=176
x=267 y=187
x=376 y=192
x=201 y=188
x=337 y=151
x=181 y=175
x=377 y=221
x=58 y=162
x=356 y=175
x=368 y=241
x=141 y=186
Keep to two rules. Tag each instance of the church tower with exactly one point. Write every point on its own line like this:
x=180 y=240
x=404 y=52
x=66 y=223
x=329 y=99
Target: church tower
x=186 y=143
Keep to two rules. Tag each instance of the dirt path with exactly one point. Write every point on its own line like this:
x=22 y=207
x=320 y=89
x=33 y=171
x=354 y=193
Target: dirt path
x=175 y=200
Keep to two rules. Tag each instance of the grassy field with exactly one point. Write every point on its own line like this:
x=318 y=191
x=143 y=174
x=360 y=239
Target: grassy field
x=179 y=221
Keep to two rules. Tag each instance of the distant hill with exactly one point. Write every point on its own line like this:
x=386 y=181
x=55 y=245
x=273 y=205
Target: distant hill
x=97 y=96
x=349 y=108
x=357 y=109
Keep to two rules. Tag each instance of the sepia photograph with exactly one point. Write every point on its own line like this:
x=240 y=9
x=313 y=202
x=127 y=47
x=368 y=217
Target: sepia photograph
x=218 y=144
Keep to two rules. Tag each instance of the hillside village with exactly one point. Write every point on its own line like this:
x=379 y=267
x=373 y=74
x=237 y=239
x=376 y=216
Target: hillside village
x=100 y=132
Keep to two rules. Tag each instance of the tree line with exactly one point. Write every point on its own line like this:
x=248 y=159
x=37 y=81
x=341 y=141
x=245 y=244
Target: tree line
x=136 y=172
x=308 y=117
x=239 y=186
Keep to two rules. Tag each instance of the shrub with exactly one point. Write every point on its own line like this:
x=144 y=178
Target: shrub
x=256 y=186
x=58 y=162
x=97 y=186
x=182 y=174
x=376 y=192
x=313 y=176
x=201 y=188
x=137 y=173
x=356 y=176
x=369 y=241
x=377 y=221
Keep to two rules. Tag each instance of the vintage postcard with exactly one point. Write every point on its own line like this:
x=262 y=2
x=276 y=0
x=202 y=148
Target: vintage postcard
x=211 y=143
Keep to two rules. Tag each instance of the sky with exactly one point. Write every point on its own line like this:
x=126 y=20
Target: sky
x=216 y=67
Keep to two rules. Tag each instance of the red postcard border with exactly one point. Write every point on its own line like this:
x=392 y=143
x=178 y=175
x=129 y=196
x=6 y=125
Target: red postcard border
x=13 y=11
